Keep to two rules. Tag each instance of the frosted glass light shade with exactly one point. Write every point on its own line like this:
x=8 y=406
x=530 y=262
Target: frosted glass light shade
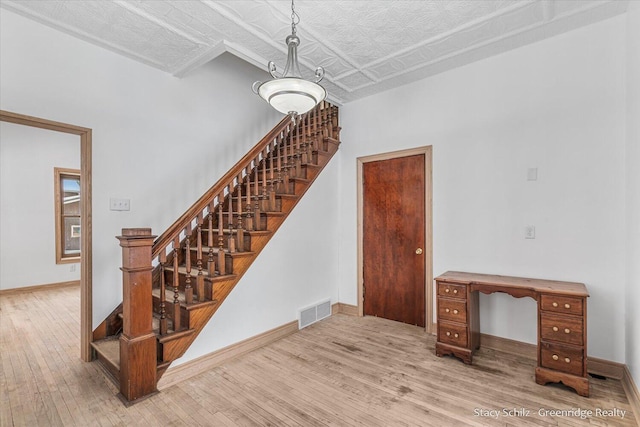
x=292 y=94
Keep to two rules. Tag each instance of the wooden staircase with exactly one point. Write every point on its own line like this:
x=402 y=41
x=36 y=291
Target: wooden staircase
x=174 y=284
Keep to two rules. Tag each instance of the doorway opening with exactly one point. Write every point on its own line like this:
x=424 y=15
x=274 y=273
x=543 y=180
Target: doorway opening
x=85 y=220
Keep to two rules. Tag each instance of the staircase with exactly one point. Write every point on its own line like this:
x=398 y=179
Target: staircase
x=173 y=284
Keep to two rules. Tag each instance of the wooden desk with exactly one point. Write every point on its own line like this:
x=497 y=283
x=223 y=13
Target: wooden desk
x=562 y=322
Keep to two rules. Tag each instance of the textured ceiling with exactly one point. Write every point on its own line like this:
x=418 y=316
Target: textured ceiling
x=365 y=46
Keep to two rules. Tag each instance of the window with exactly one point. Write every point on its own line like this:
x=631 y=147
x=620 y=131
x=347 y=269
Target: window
x=67 y=199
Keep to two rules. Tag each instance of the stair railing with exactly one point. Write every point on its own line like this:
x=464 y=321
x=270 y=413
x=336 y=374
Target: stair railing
x=225 y=203
x=263 y=171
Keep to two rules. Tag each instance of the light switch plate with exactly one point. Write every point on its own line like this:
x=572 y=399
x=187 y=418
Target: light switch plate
x=530 y=232
x=119 y=204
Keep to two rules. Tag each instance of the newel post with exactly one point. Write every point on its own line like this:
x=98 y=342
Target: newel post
x=138 y=357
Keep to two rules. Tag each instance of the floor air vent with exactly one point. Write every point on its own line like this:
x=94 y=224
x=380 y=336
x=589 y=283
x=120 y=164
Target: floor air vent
x=312 y=314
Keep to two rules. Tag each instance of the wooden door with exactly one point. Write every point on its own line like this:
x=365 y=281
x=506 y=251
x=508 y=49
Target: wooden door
x=393 y=239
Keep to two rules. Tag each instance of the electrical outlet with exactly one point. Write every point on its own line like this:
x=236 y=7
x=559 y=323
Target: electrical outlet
x=530 y=232
x=119 y=204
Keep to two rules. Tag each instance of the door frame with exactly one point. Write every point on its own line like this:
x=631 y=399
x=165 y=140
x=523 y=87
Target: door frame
x=86 y=254
x=428 y=226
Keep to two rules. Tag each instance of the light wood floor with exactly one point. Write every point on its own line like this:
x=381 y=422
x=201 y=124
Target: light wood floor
x=343 y=371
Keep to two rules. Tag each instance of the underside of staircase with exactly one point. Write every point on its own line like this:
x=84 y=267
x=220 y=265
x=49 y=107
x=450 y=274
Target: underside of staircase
x=173 y=284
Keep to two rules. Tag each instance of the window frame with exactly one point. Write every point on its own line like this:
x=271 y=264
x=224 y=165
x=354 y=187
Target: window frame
x=59 y=174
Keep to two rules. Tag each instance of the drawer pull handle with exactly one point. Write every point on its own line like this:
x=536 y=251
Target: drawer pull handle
x=555 y=304
x=555 y=329
x=456 y=335
x=455 y=291
x=446 y=310
x=555 y=357
x=455 y=311
x=448 y=334
x=567 y=330
x=567 y=306
x=566 y=359
x=447 y=290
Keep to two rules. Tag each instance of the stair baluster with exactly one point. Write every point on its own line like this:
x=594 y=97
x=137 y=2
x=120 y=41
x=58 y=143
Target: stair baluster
x=272 y=187
x=188 y=290
x=325 y=120
x=222 y=265
x=239 y=228
x=256 y=197
x=249 y=223
x=200 y=276
x=304 y=147
x=231 y=246
x=163 y=294
x=286 y=142
x=279 y=176
x=211 y=268
x=264 y=197
x=296 y=163
x=316 y=128
x=176 y=284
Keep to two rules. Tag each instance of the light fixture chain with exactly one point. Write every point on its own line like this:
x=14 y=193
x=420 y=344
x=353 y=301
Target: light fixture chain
x=295 y=18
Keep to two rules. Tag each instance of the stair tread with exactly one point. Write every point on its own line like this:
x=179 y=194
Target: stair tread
x=235 y=230
x=109 y=348
x=174 y=335
x=171 y=334
x=168 y=297
x=205 y=250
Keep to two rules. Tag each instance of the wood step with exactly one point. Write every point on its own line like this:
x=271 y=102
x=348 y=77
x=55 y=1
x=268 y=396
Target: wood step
x=215 y=250
x=108 y=353
x=226 y=231
x=168 y=297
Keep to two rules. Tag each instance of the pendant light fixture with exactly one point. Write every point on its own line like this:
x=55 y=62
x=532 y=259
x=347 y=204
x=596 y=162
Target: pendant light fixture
x=290 y=93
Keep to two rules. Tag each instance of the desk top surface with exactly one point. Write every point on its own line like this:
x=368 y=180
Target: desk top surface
x=536 y=285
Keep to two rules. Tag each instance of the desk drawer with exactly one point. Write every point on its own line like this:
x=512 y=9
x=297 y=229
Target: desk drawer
x=561 y=304
x=452 y=290
x=452 y=309
x=566 y=329
x=562 y=358
x=451 y=333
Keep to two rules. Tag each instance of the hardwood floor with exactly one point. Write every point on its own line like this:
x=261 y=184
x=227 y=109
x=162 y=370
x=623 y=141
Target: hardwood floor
x=342 y=371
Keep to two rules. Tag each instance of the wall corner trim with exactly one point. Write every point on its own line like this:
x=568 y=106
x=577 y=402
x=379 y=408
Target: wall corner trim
x=631 y=390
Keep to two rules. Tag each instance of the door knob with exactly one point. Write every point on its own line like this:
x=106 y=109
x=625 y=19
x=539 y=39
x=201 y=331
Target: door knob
x=419 y=251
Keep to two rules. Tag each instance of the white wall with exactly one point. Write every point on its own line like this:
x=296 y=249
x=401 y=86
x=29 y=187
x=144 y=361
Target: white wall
x=161 y=142
x=27 y=213
x=558 y=105
x=633 y=190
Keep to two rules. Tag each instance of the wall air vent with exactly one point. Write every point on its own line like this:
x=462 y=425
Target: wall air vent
x=312 y=314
